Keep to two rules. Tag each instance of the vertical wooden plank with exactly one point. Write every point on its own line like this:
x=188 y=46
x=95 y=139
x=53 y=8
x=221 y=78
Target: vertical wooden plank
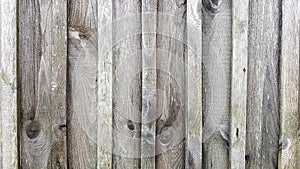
x=127 y=91
x=217 y=47
x=171 y=106
x=8 y=40
x=289 y=89
x=194 y=86
x=263 y=84
x=42 y=77
x=148 y=128
x=82 y=94
x=105 y=104
x=58 y=84
x=238 y=107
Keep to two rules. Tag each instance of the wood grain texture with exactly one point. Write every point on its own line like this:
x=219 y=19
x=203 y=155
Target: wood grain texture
x=105 y=76
x=59 y=84
x=127 y=83
x=42 y=78
x=149 y=86
x=8 y=101
x=217 y=47
x=193 y=149
x=171 y=61
x=289 y=85
x=263 y=85
x=238 y=107
x=82 y=93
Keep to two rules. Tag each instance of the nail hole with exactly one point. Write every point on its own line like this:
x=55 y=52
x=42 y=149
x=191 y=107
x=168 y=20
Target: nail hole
x=33 y=130
x=130 y=125
x=63 y=127
x=237 y=132
x=244 y=70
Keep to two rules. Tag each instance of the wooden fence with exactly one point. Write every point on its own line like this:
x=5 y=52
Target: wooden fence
x=175 y=84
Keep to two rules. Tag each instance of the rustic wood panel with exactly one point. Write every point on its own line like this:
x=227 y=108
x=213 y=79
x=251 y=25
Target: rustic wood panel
x=217 y=46
x=289 y=85
x=127 y=83
x=238 y=107
x=105 y=76
x=8 y=84
x=42 y=83
x=82 y=71
x=171 y=58
x=263 y=84
x=193 y=149
x=149 y=86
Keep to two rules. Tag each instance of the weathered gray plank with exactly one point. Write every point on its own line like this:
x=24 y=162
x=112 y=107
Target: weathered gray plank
x=193 y=158
x=105 y=65
x=82 y=99
x=127 y=91
x=42 y=83
x=8 y=94
x=58 y=84
x=263 y=84
x=290 y=85
x=217 y=46
x=171 y=58
x=238 y=108
x=148 y=119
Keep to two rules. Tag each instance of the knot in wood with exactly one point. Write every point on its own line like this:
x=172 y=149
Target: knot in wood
x=33 y=129
x=167 y=134
x=212 y=6
x=130 y=125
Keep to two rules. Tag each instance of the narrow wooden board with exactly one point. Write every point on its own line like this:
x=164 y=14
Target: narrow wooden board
x=217 y=49
x=82 y=93
x=8 y=56
x=238 y=107
x=289 y=89
x=42 y=83
x=171 y=106
x=105 y=76
x=263 y=84
x=127 y=83
x=59 y=84
x=193 y=154
x=149 y=87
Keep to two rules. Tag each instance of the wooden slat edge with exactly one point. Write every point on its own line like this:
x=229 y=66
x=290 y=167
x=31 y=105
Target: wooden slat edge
x=289 y=89
x=194 y=86
x=239 y=84
x=9 y=83
x=105 y=63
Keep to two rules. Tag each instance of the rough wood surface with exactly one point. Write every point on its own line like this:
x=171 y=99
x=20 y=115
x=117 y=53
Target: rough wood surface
x=149 y=86
x=290 y=86
x=193 y=149
x=105 y=104
x=239 y=69
x=42 y=83
x=217 y=48
x=82 y=93
x=8 y=95
x=59 y=84
x=127 y=83
x=171 y=58
x=263 y=84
